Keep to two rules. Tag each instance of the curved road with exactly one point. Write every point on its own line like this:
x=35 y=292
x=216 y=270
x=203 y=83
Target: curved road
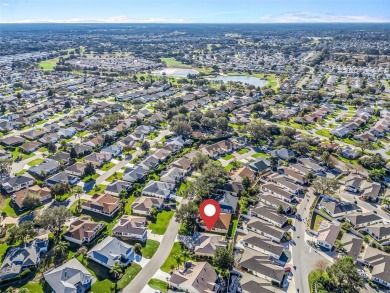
x=303 y=256
x=162 y=253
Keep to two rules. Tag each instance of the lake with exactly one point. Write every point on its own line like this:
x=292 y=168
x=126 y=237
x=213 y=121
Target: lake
x=257 y=82
x=177 y=72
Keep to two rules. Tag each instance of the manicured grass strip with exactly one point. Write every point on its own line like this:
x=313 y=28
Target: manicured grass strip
x=107 y=166
x=159 y=285
x=162 y=222
x=228 y=157
x=129 y=275
x=150 y=248
x=243 y=151
x=261 y=155
x=170 y=261
x=35 y=162
x=172 y=62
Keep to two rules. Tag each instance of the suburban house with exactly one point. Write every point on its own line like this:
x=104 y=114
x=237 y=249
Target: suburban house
x=337 y=208
x=22 y=257
x=380 y=232
x=62 y=177
x=283 y=154
x=144 y=204
x=77 y=169
x=182 y=163
x=112 y=250
x=71 y=277
x=279 y=192
x=378 y=263
x=83 y=230
x=269 y=214
x=241 y=173
x=219 y=148
x=172 y=175
x=327 y=234
x=205 y=244
x=82 y=149
x=131 y=227
x=114 y=150
x=43 y=193
x=228 y=203
x=67 y=132
x=258 y=264
x=260 y=165
x=62 y=158
x=352 y=245
x=195 y=277
x=98 y=159
x=136 y=173
x=104 y=204
x=362 y=220
x=116 y=187
x=159 y=189
x=12 y=184
x=221 y=225
x=48 y=167
x=264 y=245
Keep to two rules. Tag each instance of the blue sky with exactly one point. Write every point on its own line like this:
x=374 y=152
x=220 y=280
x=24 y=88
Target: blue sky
x=195 y=11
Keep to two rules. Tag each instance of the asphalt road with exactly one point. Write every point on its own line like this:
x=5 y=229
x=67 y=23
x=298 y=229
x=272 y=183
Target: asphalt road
x=147 y=273
x=303 y=256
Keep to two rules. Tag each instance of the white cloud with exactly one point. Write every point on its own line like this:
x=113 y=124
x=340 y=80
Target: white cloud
x=4 y=4
x=305 y=17
x=115 y=19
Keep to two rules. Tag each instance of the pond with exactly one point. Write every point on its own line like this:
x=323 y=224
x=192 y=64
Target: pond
x=177 y=72
x=257 y=82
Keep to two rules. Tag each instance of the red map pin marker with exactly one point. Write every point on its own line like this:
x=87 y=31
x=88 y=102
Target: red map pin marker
x=209 y=211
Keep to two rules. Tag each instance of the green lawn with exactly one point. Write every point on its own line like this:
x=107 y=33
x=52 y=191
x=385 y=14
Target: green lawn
x=324 y=132
x=82 y=133
x=97 y=189
x=107 y=166
x=35 y=162
x=170 y=261
x=158 y=285
x=7 y=209
x=89 y=178
x=243 y=151
x=40 y=122
x=231 y=166
x=317 y=221
x=228 y=157
x=172 y=62
x=15 y=154
x=115 y=176
x=162 y=221
x=129 y=202
x=233 y=227
x=129 y=275
x=261 y=155
x=48 y=64
x=42 y=149
x=3 y=249
x=34 y=287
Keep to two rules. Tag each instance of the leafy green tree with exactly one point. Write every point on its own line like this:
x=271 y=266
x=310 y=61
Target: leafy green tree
x=365 y=145
x=145 y=146
x=89 y=169
x=325 y=185
x=51 y=147
x=53 y=219
x=22 y=233
x=73 y=153
x=188 y=214
x=246 y=182
x=344 y=277
x=31 y=201
x=223 y=258
x=138 y=248
x=5 y=167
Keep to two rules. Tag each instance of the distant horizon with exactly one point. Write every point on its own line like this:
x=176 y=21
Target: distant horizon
x=200 y=23
x=194 y=11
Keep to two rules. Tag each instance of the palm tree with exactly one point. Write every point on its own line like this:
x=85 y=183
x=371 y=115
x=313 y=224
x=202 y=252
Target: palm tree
x=186 y=254
x=82 y=251
x=116 y=269
x=178 y=259
x=61 y=248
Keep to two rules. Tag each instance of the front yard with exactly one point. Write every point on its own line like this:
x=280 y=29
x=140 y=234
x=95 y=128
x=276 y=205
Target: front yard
x=107 y=166
x=35 y=162
x=160 y=225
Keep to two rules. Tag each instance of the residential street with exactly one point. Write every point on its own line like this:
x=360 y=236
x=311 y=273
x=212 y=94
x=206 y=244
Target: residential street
x=303 y=256
x=140 y=281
